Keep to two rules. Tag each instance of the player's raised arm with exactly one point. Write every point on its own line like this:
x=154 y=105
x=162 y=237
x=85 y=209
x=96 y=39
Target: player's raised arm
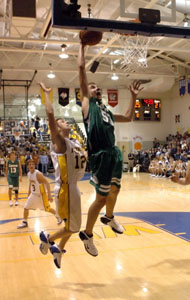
x=49 y=109
x=55 y=136
x=83 y=80
x=134 y=88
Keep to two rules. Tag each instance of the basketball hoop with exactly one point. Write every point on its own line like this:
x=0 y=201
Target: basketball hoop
x=135 y=50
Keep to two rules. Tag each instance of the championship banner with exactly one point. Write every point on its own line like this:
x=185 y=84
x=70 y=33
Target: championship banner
x=182 y=86
x=112 y=97
x=43 y=96
x=63 y=96
x=137 y=143
x=77 y=96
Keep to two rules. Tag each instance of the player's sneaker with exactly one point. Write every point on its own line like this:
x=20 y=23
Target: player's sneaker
x=16 y=203
x=45 y=244
x=115 y=226
x=88 y=243
x=59 y=220
x=57 y=254
x=10 y=203
x=22 y=225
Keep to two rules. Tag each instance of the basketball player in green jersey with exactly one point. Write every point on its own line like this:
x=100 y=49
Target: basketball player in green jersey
x=13 y=172
x=104 y=157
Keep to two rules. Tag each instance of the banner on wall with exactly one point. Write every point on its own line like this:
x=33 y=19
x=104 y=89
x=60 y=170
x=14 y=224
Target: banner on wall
x=112 y=97
x=77 y=96
x=177 y=118
x=63 y=96
x=43 y=96
x=137 y=143
x=182 y=82
x=188 y=85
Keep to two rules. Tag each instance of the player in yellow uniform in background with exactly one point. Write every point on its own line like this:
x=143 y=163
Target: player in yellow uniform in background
x=37 y=197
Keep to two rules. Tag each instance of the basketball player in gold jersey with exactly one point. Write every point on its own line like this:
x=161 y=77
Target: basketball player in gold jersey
x=69 y=163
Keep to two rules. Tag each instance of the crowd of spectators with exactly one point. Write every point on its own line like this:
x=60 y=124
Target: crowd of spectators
x=26 y=147
x=164 y=159
x=161 y=160
x=32 y=146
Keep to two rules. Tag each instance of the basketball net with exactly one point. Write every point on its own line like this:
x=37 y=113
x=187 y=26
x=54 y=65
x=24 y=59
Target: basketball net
x=135 y=50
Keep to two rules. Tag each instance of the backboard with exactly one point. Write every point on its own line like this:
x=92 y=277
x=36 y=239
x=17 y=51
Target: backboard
x=67 y=15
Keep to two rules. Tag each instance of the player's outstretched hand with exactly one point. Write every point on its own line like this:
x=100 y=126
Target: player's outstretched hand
x=44 y=88
x=135 y=87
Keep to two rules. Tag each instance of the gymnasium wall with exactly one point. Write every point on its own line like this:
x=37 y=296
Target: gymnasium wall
x=180 y=105
x=147 y=130
x=172 y=104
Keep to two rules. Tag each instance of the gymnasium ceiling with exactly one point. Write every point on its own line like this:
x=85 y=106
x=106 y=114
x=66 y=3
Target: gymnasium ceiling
x=27 y=45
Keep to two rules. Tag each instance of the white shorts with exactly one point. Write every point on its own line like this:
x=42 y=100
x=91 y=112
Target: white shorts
x=34 y=201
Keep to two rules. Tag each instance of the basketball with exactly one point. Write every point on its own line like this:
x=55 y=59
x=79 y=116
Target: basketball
x=90 y=38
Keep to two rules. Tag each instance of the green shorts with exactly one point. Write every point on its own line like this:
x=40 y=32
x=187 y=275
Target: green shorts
x=13 y=183
x=106 y=166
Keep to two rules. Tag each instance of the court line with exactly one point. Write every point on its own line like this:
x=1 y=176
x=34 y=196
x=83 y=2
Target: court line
x=100 y=252
x=27 y=232
x=127 y=214
x=124 y=214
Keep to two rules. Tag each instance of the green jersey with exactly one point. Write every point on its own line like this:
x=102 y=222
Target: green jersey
x=13 y=168
x=99 y=126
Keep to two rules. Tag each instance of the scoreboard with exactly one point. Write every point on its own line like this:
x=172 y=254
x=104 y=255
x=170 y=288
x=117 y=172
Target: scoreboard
x=148 y=109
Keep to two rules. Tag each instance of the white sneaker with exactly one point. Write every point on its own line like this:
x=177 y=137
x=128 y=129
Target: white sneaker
x=16 y=203
x=10 y=203
x=59 y=220
x=44 y=245
x=22 y=225
x=57 y=254
x=115 y=226
x=88 y=243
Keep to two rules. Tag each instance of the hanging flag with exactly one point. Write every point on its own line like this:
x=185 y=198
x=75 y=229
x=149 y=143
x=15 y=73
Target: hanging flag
x=182 y=86
x=112 y=97
x=43 y=96
x=188 y=85
x=77 y=96
x=63 y=96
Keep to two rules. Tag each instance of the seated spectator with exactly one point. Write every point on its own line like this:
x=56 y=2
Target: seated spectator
x=131 y=161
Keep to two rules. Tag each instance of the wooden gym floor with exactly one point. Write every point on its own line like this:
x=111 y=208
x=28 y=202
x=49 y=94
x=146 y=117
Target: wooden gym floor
x=151 y=260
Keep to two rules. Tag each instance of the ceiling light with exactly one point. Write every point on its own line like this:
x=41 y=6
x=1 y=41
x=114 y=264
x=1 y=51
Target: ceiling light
x=141 y=59
x=63 y=55
x=186 y=21
x=116 y=61
x=114 y=77
x=51 y=75
x=106 y=50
